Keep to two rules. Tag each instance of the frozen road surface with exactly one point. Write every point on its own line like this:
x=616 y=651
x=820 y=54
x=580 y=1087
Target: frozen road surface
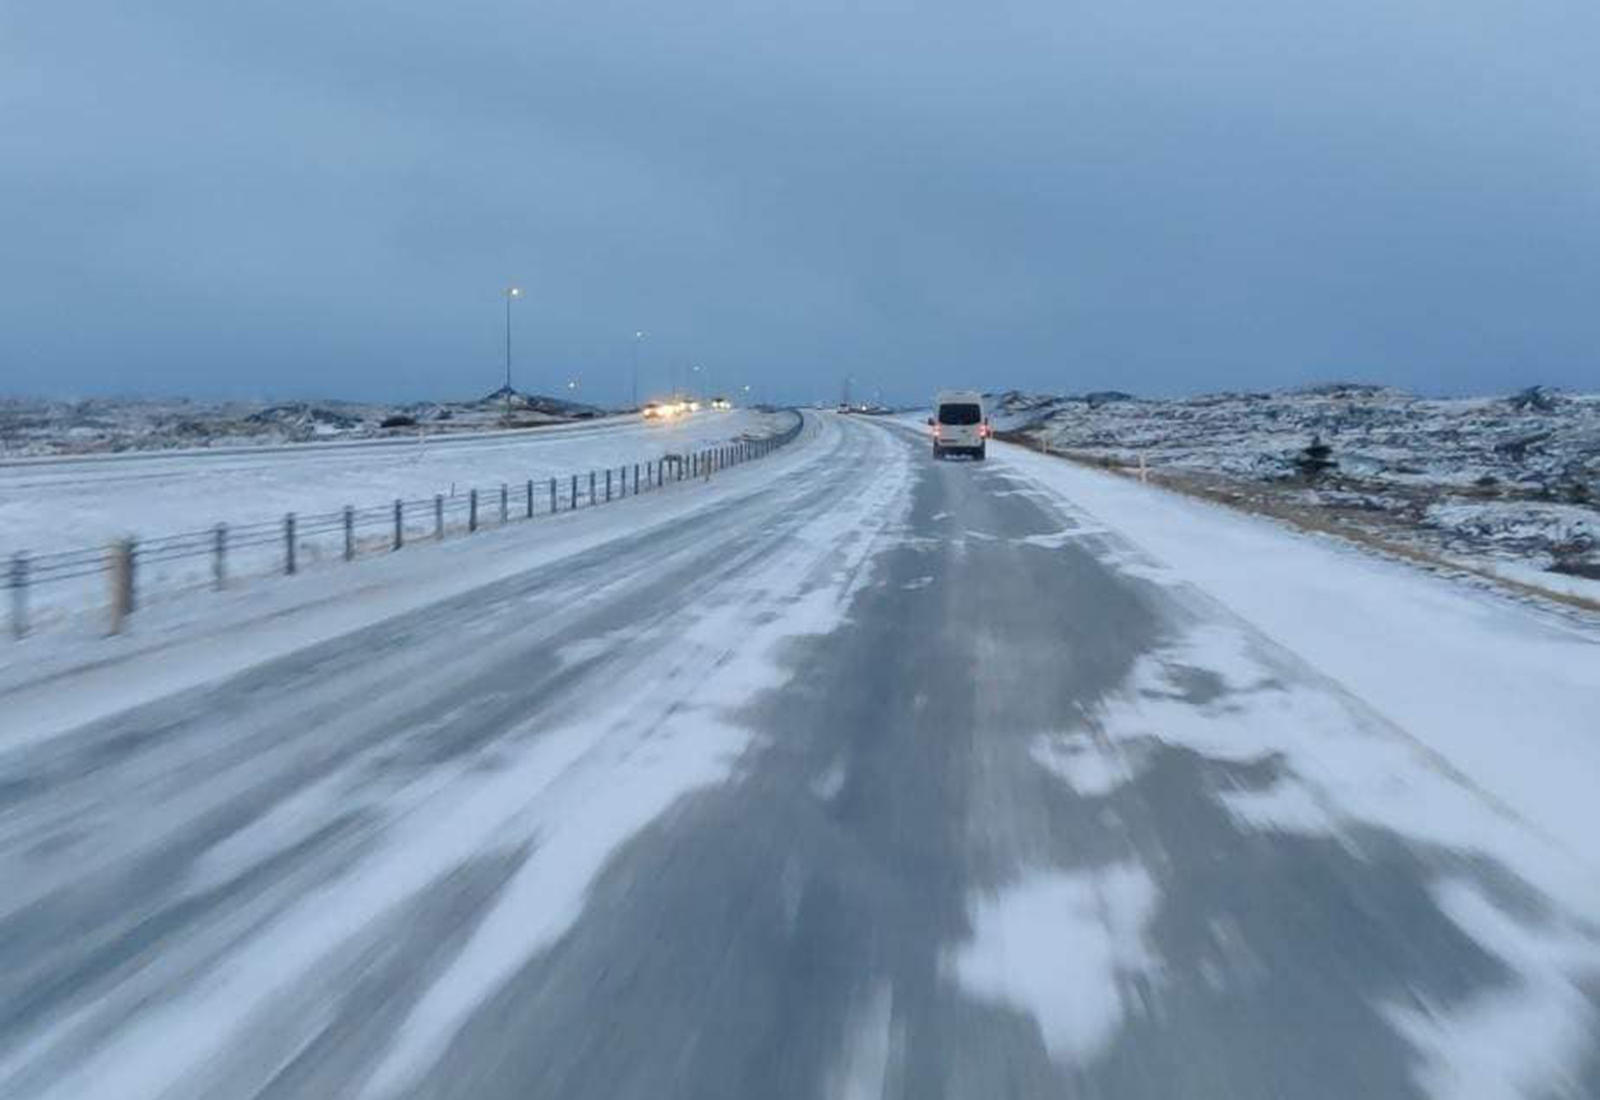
x=850 y=775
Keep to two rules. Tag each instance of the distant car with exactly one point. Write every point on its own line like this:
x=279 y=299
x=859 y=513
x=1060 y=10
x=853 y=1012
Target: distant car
x=721 y=404
x=960 y=425
x=653 y=411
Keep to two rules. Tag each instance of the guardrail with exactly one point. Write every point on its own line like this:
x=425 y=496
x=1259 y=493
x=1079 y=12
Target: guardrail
x=351 y=532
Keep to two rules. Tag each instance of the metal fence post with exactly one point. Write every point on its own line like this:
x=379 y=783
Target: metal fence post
x=19 y=594
x=288 y=543
x=591 y=487
x=635 y=479
x=438 y=516
x=349 y=534
x=608 y=484
x=399 y=524
x=530 y=498
x=122 y=582
x=219 y=557
x=472 y=510
x=572 y=501
x=552 y=496
x=505 y=504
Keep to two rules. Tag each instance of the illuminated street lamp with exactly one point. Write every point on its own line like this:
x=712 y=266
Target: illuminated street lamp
x=638 y=338
x=512 y=293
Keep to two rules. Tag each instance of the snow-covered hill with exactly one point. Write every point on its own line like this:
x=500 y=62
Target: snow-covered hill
x=36 y=426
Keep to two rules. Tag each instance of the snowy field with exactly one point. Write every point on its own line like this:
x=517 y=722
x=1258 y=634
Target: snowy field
x=86 y=503
x=1505 y=485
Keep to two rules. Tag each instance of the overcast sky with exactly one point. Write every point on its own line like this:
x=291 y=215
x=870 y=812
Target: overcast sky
x=327 y=197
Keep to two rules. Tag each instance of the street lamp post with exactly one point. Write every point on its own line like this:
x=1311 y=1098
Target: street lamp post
x=637 y=337
x=512 y=293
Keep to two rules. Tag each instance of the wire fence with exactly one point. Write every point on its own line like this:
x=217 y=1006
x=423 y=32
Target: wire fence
x=285 y=546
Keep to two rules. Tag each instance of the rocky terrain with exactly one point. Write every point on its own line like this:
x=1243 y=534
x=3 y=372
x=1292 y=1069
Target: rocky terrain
x=1510 y=482
x=30 y=426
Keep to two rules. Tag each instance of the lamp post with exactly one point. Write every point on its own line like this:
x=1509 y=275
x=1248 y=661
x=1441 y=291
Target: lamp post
x=637 y=338
x=512 y=293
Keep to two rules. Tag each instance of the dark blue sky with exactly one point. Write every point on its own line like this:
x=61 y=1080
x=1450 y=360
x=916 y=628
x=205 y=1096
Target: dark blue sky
x=327 y=198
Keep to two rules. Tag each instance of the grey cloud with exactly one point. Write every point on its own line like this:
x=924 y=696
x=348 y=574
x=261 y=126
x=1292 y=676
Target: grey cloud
x=326 y=198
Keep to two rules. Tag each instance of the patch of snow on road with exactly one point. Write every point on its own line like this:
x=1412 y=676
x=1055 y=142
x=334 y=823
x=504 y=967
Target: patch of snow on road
x=1057 y=539
x=828 y=785
x=1285 y=807
x=1340 y=762
x=1528 y=1039
x=870 y=1043
x=1091 y=769
x=1061 y=947
x=587 y=649
x=617 y=794
x=280 y=828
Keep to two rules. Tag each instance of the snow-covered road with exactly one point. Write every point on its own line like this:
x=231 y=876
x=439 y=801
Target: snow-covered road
x=69 y=504
x=851 y=775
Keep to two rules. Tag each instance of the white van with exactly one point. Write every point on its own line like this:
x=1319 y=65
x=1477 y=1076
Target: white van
x=960 y=425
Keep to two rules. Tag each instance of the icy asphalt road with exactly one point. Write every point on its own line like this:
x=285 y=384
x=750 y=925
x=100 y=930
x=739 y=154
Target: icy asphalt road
x=901 y=779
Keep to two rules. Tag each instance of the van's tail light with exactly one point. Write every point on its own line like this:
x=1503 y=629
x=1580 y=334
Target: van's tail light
x=936 y=432
x=983 y=431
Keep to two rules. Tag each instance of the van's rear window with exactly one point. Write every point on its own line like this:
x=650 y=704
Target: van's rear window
x=959 y=414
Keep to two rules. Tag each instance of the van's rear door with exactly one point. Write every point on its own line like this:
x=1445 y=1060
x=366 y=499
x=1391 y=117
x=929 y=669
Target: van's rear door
x=960 y=424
